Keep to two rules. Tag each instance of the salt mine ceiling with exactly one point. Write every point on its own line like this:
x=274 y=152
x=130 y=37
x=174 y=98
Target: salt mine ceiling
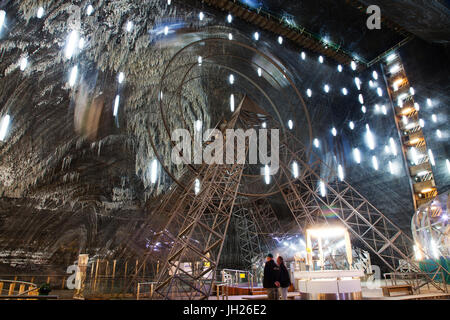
x=79 y=178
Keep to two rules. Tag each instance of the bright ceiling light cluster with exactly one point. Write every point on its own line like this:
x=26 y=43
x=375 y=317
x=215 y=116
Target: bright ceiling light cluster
x=4 y=127
x=89 y=10
x=154 y=171
x=256 y=36
x=116 y=106
x=232 y=102
x=40 y=12
x=73 y=76
x=326 y=88
x=2 y=18
x=357 y=155
x=71 y=44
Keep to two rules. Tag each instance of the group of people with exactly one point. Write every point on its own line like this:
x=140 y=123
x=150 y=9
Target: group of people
x=276 y=278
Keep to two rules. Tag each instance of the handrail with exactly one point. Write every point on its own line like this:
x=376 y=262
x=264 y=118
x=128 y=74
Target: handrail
x=32 y=287
x=235 y=271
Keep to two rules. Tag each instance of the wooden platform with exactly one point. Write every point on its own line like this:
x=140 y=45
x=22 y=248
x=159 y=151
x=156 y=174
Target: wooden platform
x=387 y=290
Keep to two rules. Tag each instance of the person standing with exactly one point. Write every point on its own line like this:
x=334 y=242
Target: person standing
x=271 y=276
x=284 y=279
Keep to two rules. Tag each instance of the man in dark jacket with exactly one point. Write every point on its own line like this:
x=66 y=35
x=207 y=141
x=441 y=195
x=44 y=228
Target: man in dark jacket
x=271 y=276
x=284 y=279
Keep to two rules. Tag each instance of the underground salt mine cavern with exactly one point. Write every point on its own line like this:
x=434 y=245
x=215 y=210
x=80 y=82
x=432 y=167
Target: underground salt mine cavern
x=224 y=150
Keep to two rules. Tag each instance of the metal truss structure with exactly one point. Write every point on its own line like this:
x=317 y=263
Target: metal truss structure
x=198 y=223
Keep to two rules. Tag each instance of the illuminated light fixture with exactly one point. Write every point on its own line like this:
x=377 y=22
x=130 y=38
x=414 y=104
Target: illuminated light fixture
x=375 y=163
x=116 y=106
x=316 y=143
x=309 y=93
x=81 y=43
x=129 y=26
x=339 y=67
x=391 y=57
x=380 y=92
x=391 y=167
x=405 y=120
x=429 y=103
x=412 y=91
x=73 y=76
x=321 y=59
x=363 y=109
x=40 y=12
x=166 y=30
x=264 y=125
x=153 y=171
x=439 y=133
x=303 y=55
x=422 y=173
x=328 y=232
x=290 y=124
x=414 y=141
x=4 y=127
x=200 y=60
x=370 y=139
x=231 y=79
x=256 y=36
x=230 y=18
x=397 y=83
x=341 y=173
x=434 y=248
x=393 y=146
x=351 y=125
x=394 y=69
x=201 y=15
x=2 y=18
x=447 y=163
x=421 y=123
x=23 y=63
x=295 y=169
x=361 y=99
x=375 y=75
x=353 y=65
x=434 y=118
x=259 y=72
x=323 y=191
x=427 y=190
x=384 y=109
x=431 y=156
x=121 y=77
x=72 y=42
x=198 y=125
x=197 y=186
x=232 y=102
x=371 y=84
x=358 y=83
x=230 y=36
x=334 y=132
x=387 y=149
x=417 y=254
x=417 y=106
x=415 y=156
x=280 y=40
x=410 y=126
x=377 y=108
x=357 y=155
x=89 y=10
x=344 y=91
x=169 y=2
x=326 y=88
x=267 y=174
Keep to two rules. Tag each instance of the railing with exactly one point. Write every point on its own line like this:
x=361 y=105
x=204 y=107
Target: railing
x=233 y=277
x=17 y=289
x=142 y=292
x=416 y=279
